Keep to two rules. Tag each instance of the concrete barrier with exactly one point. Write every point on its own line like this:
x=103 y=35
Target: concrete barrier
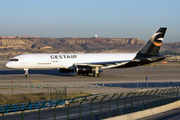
x=146 y=113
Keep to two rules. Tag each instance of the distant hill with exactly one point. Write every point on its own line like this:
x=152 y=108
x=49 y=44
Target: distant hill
x=168 y=52
x=12 y=47
x=175 y=47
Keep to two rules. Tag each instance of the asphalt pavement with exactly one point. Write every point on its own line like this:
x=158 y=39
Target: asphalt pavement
x=169 y=115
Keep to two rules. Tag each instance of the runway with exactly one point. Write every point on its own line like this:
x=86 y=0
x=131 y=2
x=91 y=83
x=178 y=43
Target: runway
x=115 y=77
x=135 y=74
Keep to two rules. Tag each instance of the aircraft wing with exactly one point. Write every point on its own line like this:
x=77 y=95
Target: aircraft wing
x=104 y=65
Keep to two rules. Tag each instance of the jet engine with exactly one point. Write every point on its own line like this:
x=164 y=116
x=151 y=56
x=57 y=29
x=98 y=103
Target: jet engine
x=79 y=69
x=84 y=69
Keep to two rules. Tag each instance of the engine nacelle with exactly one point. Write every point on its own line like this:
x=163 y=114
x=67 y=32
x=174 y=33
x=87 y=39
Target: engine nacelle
x=84 y=69
x=79 y=69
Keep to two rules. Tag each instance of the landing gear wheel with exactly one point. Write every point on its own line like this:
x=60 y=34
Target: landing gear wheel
x=95 y=75
x=99 y=74
x=27 y=76
x=88 y=74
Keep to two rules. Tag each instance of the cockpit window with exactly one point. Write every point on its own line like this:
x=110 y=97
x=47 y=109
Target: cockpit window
x=14 y=59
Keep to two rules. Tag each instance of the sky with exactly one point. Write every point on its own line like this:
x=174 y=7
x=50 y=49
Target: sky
x=85 y=18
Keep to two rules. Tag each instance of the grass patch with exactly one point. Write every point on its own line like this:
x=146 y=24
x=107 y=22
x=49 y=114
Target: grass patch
x=24 y=98
x=77 y=95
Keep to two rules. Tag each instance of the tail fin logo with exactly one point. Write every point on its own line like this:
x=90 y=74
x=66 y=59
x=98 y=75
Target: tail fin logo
x=158 y=39
x=153 y=45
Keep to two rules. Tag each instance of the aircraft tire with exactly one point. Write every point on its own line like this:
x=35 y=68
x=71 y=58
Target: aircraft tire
x=88 y=74
x=27 y=76
x=99 y=74
x=95 y=75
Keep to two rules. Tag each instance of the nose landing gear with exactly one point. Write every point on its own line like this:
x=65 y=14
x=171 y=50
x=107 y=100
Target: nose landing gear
x=26 y=73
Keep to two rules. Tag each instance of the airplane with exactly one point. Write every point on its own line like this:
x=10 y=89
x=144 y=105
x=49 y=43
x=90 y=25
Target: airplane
x=91 y=63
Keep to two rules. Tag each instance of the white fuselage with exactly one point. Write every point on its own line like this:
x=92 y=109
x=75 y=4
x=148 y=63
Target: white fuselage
x=65 y=60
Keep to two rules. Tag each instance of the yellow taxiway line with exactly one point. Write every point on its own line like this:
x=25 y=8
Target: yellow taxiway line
x=36 y=81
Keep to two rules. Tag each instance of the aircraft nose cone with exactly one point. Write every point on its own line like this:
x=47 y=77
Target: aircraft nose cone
x=8 y=64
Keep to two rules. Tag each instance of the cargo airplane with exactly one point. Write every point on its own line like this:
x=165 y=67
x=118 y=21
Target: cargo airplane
x=91 y=63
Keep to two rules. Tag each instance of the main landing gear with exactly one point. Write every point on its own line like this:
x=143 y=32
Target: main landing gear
x=96 y=73
x=26 y=73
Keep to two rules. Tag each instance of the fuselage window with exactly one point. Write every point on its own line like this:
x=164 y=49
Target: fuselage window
x=14 y=59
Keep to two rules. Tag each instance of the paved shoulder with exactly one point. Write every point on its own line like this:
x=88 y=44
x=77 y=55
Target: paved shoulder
x=169 y=115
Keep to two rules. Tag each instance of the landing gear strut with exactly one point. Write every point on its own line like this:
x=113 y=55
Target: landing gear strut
x=97 y=74
x=26 y=73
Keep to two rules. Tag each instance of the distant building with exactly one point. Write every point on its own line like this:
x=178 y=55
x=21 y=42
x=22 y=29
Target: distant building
x=95 y=36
